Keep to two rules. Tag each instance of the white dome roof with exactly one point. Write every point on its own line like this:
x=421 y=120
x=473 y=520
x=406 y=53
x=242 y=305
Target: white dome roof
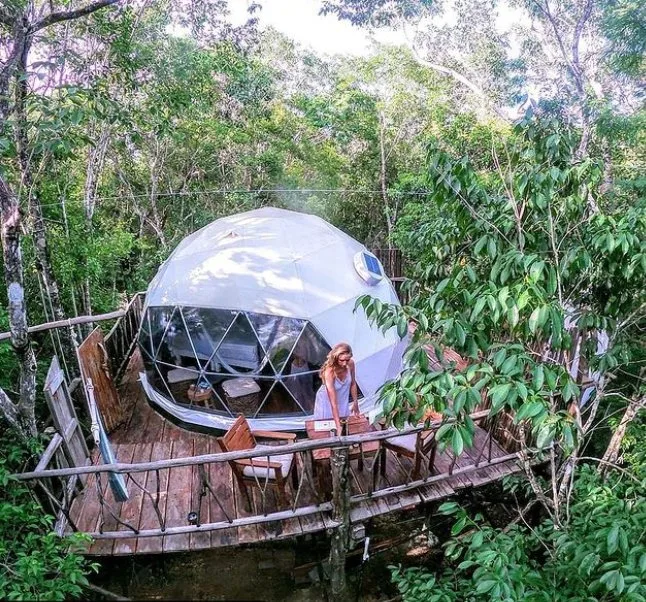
x=269 y=261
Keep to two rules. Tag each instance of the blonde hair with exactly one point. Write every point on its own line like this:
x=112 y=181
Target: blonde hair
x=332 y=358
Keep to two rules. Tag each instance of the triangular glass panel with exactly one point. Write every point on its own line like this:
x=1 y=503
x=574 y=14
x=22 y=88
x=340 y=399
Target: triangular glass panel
x=277 y=336
x=280 y=401
x=303 y=387
x=144 y=339
x=205 y=328
x=159 y=321
x=310 y=350
x=239 y=352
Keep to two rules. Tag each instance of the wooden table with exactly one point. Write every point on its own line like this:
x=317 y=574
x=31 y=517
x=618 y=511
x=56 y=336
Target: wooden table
x=321 y=457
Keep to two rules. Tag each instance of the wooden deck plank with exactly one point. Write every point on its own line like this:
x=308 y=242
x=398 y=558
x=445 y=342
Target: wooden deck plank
x=200 y=503
x=221 y=480
x=179 y=497
x=105 y=518
x=149 y=545
x=131 y=510
x=85 y=507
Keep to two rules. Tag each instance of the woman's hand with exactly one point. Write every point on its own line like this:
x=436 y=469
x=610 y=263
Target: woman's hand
x=355 y=408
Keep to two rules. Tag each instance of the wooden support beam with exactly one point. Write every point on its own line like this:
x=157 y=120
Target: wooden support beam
x=49 y=452
x=341 y=515
x=236 y=522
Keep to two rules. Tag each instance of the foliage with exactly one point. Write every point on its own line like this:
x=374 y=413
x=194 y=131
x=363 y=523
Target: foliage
x=601 y=554
x=36 y=563
x=509 y=261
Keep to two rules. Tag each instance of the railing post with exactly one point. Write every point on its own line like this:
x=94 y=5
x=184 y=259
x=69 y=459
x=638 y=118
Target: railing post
x=341 y=515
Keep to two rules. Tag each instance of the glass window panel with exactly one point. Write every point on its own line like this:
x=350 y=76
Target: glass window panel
x=205 y=327
x=277 y=336
x=159 y=320
x=310 y=349
x=279 y=401
x=239 y=352
x=303 y=387
x=144 y=340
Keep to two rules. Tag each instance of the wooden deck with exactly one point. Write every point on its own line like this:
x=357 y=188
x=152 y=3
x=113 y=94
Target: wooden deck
x=147 y=436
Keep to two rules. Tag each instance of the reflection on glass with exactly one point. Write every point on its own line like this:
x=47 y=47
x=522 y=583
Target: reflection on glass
x=204 y=329
x=238 y=352
x=302 y=385
x=227 y=362
x=277 y=336
x=311 y=347
x=160 y=318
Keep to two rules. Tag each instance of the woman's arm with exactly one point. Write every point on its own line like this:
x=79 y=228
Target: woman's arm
x=331 y=393
x=354 y=391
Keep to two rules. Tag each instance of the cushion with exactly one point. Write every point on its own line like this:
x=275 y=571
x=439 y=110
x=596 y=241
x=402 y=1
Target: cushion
x=260 y=472
x=407 y=442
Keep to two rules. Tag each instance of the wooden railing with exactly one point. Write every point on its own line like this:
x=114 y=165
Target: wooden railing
x=266 y=510
x=57 y=493
x=122 y=338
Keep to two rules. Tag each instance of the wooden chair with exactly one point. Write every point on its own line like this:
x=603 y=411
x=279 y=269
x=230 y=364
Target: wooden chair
x=416 y=446
x=271 y=470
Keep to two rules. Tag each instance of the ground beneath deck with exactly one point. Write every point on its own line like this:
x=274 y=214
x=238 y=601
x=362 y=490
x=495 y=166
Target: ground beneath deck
x=147 y=436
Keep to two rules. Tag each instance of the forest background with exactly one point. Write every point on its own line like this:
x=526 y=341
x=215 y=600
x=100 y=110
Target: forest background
x=506 y=165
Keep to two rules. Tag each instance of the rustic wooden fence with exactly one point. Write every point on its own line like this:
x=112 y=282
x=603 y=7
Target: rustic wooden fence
x=392 y=262
x=144 y=481
x=122 y=338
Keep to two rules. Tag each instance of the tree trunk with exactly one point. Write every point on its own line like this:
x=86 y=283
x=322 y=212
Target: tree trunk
x=38 y=228
x=21 y=414
x=614 y=447
x=384 y=193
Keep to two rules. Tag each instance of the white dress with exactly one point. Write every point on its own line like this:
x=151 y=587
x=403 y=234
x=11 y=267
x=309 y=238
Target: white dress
x=323 y=406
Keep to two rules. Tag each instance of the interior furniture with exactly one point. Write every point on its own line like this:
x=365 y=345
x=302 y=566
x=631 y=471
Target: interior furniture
x=242 y=395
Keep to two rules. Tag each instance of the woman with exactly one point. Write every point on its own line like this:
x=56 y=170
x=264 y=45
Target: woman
x=338 y=376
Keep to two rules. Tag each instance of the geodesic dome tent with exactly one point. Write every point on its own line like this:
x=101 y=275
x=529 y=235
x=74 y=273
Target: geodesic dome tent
x=241 y=316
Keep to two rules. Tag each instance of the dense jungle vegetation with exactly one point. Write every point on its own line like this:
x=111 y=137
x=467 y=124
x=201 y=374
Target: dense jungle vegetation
x=508 y=167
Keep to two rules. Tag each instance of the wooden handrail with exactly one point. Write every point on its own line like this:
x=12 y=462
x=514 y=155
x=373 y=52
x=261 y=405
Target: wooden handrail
x=134 y=299
x=301 y=446
x=236 y=522
x=69 y=322
x=49 y=452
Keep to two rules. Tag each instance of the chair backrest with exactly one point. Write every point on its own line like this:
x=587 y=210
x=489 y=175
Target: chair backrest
x=238 y=437
x=426 y=440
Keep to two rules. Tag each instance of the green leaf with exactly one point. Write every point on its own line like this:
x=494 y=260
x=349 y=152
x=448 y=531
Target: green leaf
x=457 y=443
x=485 y=586
x=613 y=539
x=533 y=320
x=499 y=394
x=536 y=270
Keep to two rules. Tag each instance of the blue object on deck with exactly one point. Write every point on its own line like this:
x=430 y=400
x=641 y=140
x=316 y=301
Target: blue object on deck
x=116 y=481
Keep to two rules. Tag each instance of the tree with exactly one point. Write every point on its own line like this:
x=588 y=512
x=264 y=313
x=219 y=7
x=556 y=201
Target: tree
x=544 y=296
x=600 y=556
x=22 y=24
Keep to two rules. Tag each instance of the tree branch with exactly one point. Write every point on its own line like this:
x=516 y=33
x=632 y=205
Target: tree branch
x=69 y=15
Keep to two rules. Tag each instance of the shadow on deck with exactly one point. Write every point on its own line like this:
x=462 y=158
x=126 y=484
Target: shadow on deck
x=166 y=496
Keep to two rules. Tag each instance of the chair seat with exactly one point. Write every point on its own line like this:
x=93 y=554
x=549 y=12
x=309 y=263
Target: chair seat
x=406 y=442
x=262 y=472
